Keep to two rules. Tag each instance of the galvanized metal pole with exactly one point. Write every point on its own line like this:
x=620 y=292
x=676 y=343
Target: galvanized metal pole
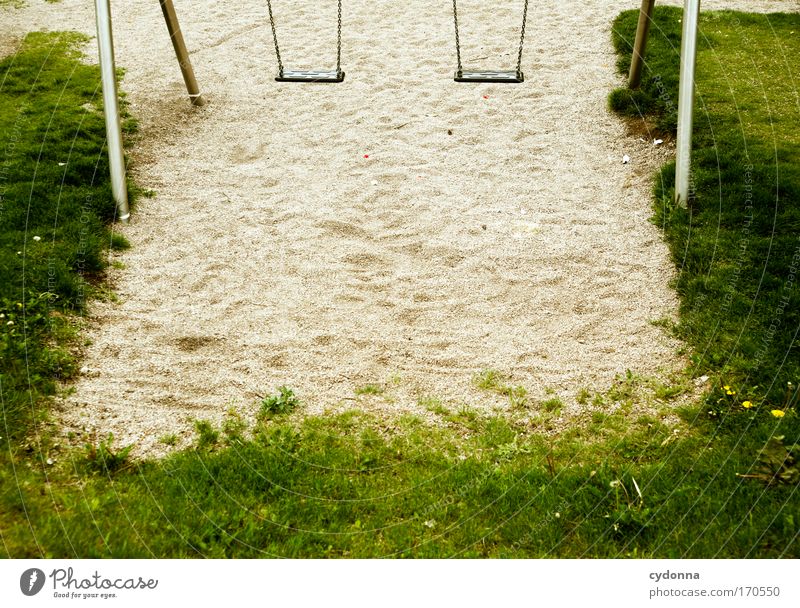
x=639 y=46
x=116 y=156
x=181 y=53
x=691 y=16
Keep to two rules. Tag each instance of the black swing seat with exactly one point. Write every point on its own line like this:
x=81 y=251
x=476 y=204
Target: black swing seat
x=310 y=76
x=512 y=76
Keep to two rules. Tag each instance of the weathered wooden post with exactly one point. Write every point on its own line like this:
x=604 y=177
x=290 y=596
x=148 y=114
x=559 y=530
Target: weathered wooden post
x=639 y=46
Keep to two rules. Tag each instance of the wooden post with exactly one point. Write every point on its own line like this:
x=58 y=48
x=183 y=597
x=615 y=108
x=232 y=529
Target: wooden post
x=108 y=76
x=691 y=16
x=181 y=53
x=639 y=46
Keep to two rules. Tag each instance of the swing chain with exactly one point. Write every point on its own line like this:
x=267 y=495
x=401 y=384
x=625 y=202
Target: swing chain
x=275 y=38
x=458 y=41
x=339 y=40
x=522 y=36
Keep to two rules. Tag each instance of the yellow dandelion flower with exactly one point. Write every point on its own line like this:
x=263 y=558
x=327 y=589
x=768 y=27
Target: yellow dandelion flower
x=726 y=387
x=729 y=392
x=747 y=404
x=778 y=413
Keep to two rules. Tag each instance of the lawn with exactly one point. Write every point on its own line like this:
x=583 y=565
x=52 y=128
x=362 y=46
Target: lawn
x=683 y=481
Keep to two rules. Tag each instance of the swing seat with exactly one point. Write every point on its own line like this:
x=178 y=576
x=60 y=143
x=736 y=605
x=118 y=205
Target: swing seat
x=310 y=76
x=489 y=76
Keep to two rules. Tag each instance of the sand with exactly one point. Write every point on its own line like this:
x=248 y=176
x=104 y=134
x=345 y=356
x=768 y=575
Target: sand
x=397 y=229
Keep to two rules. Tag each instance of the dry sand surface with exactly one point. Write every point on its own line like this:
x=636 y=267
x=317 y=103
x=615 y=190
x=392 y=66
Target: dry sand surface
x=397 y=229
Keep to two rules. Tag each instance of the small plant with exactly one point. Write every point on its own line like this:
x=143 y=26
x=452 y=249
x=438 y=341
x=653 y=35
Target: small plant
x=553 y=405
x=208 y=436
x=777 y=464
x=170 y=439
x=511 y=450
x=465 y=415
x=432 y=404
x=583 y=396
x=629 y=517
x=489 y=380
x=284 y=402
x=624 y=387
x=234 y=427
x=492 y=380
x=102 y=458
x=369 y=389
x=791 y=397
x=599 y=417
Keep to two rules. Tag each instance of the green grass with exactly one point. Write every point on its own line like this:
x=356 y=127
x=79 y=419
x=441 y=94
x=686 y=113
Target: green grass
x=340 y=486
x=55 y=205
x=736 y=246
x=369 y=389
x=355 y=484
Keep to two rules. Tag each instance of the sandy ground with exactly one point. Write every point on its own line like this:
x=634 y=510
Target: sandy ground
x=397 y=229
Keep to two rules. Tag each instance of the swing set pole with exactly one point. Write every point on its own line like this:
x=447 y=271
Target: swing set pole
x=691 y=17
x=181 y=53
x=116 y=156
x=639 y=46
x=105 y=43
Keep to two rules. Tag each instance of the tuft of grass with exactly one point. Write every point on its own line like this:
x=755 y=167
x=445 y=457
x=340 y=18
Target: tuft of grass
x=494 y=381
x=369 y=389
x=489 y=380
x=434 y=405
x=103 y=458
x=170 y=439
x=207 y=435
x=234 y=427
x=583 y=396
x=553 y=405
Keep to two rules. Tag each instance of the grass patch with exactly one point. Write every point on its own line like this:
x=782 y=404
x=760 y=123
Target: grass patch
x=369 y=389
x=736 y=246
x=55 y=205
x=494 y=381
x=342 y=486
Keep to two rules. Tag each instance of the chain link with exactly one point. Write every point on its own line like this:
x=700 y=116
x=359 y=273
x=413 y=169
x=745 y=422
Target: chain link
x=458 y=41
x=339 y=41
x=521 y=37
x=275 y=38
x=338 y=38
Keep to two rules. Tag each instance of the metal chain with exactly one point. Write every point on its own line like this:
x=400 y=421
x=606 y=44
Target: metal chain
x=275 y=38
x=522 y=37
x=339 y=41
x=458 y=41
x=338 y=38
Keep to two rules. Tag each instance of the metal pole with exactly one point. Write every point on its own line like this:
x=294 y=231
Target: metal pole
x=691 y=16
x=642 y=31
x=116 y=157
x=181 y=53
